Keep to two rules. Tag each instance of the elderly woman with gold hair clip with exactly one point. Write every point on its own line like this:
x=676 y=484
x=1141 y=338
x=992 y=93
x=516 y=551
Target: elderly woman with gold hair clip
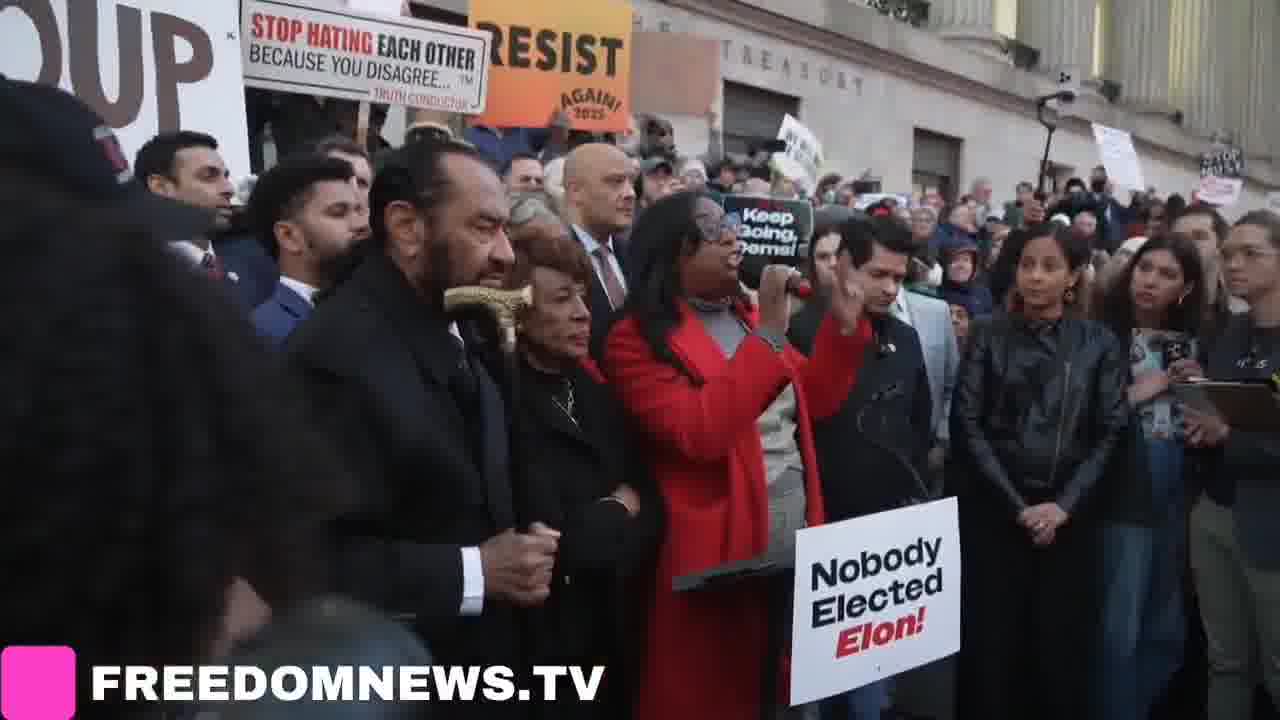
x=579 y=472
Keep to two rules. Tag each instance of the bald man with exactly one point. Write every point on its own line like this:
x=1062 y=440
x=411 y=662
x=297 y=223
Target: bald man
x=600 y=204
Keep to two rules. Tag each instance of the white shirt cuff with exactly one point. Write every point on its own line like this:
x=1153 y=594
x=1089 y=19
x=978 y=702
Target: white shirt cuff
x=472 y=582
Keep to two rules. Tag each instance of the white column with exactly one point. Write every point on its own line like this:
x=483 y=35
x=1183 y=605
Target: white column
x=1259 y=106
x=1195 y=65
x=1138 y=56
x=1063 y=32
x=969 y=23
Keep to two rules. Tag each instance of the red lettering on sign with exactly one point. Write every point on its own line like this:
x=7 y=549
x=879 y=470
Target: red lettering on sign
x=854 y=640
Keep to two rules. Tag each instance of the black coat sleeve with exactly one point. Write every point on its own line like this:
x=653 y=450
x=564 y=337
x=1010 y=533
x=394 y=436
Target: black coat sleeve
x=968 y=437
x=1111 y=419
x=400 y=577
x=603 y=535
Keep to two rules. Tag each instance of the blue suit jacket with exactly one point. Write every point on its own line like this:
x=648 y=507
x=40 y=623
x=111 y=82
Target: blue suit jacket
x=276 y=318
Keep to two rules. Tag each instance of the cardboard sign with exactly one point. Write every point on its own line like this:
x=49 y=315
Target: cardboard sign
x=772 y=232
x=145 y=66
x=874 y=596
x=1115 y=148
x=554 y=55
x=1219 y=191
x=802 y=161
x=673 y=73
x=334 y=52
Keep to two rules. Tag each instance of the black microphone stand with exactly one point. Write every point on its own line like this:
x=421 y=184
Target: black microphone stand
x=1049 y=119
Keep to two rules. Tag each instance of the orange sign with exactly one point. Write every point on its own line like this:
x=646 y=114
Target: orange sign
x=549 y=55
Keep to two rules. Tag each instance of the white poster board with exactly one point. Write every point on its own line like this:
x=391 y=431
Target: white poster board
x=874 y=596
x=1220 y=191
x=803 y=158
x=1119 y=157
x=146 y=66
x=294 y=47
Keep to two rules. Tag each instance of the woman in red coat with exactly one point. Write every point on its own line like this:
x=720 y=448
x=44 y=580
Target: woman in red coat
x=726 y=408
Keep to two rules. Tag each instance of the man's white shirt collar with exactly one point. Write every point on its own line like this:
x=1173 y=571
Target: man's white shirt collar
x=307 y=292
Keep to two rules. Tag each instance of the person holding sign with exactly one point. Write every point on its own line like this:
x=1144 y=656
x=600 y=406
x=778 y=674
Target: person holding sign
x=728 y=410
x=1234 y=535
x=1038 y=410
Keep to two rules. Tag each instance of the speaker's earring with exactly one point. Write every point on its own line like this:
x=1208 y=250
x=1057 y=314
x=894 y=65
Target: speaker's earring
x=1069 y=296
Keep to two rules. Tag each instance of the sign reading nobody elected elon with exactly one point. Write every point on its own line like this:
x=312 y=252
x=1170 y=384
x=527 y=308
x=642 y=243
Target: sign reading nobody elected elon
x=874 y=596
x=549 y=55
x=772 y=232
x=334 y=52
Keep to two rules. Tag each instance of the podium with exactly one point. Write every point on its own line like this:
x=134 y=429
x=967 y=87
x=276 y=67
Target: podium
x=775 y=570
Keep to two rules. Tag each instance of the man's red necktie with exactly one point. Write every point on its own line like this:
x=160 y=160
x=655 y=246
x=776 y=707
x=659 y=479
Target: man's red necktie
x=213 y=266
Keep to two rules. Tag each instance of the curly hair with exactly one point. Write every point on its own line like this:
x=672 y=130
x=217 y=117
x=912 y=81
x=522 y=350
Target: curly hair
x=152 y=448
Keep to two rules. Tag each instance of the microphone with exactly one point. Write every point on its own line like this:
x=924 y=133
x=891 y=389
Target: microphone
x=798 y=286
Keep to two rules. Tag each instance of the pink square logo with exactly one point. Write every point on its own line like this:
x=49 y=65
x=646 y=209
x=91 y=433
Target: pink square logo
x=37 y=683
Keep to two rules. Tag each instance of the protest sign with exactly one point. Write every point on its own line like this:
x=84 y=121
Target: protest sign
x=1219 y=191
x=874 y=596
x=335 y=52
x=554 y=55
x=802 y=160
x=772 y=232
x=1115 y=148
x=674 y=73
x=1223 y=161
x=145 y=66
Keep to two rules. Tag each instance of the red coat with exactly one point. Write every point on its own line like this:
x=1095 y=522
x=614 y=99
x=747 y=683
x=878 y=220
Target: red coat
x=705 y=651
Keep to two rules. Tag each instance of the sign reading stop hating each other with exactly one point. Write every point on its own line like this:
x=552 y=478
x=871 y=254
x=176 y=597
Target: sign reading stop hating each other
x=554 y=55
x=874 y=596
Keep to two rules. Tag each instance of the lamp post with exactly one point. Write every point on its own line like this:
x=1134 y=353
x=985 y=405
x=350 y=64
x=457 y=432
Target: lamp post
x=1048 y=116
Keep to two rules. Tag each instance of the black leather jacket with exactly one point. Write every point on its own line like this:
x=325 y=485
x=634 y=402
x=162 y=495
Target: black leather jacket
x=1038 y=410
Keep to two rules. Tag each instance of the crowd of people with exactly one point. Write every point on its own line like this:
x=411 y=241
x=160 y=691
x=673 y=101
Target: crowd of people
x=295 y=429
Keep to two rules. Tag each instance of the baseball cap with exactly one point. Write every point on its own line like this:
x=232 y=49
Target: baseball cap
x=51 y=133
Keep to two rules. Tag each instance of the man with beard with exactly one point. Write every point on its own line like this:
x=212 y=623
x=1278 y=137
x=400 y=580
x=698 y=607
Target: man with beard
x=422 y=421
x=308 y=215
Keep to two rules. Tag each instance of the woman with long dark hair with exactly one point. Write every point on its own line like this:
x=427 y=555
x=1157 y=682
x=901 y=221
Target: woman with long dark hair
x=1037 y=412
x=1155 y=303
x=167 y=502
x=727 y=410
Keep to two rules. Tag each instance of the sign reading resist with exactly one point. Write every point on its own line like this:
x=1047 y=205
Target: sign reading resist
x=337 y=53
x=874 y=596
x=772 y=232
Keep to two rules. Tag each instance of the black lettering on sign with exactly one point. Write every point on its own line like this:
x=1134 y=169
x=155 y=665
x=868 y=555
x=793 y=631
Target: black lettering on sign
x=165 y=29
x=85 y=66
x=40 y=12
x=86 y=80
x=549 y=50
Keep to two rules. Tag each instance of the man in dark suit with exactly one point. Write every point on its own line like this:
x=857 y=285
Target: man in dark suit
x=872 y=453
x=600 y=204
x=308 y=214
x=423 y=422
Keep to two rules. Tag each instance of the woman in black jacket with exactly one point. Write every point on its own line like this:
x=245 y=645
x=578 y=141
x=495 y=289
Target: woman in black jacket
x=1037 y=412
x=578 y=474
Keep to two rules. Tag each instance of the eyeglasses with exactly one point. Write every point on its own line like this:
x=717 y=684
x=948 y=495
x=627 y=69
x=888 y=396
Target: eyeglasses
x=716 y=230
